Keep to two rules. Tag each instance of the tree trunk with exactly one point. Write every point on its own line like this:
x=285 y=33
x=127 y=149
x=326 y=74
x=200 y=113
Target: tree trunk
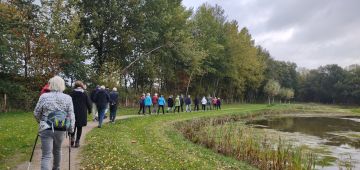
x=187 y=87
x=269 y=100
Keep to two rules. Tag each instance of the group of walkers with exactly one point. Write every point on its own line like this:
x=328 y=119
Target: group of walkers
x=58 y=113
x=177 y=104
x=103 y=100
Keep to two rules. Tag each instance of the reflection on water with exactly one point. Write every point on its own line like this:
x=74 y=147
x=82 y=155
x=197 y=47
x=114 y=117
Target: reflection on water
x=340 y=134
x=333 y=129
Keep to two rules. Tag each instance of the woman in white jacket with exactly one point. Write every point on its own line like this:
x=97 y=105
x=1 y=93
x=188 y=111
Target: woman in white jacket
x=203 y=103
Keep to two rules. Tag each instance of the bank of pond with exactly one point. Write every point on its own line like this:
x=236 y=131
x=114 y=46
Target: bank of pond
x=281 y=139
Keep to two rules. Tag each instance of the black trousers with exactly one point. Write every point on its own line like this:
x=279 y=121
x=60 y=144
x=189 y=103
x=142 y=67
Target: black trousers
x=178 y=108
x=149 y=109
x=196 y=107
x=142 y=107
x=204 y=107
x=182 y=107
x=78 y=131
x=162 y=107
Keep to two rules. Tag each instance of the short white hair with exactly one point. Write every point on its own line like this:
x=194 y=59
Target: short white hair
x=114 y=89
x=57 y=84
x=102 y=87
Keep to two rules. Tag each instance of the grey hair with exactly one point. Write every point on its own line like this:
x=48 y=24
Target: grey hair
x=114 y=89
x=57 y=84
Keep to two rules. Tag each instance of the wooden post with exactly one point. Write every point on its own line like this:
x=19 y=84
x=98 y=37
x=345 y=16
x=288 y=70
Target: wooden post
x=126 y=101
x=5 y=102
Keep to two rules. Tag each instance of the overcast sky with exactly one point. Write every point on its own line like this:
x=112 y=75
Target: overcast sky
x=310 y=33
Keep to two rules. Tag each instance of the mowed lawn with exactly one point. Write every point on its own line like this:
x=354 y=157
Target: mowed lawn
x=17 y=135
x=151 y=142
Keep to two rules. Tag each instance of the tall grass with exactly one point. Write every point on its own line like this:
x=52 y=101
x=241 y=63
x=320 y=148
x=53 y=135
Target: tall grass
x=225 y=136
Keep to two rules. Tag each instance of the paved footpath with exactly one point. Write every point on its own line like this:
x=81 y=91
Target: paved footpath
x=75 y=152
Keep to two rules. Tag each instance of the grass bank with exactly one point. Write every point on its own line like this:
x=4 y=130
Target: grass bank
x=152 y=142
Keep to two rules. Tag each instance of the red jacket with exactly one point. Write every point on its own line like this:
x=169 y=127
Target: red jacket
x=155 y=99
x=45 y=89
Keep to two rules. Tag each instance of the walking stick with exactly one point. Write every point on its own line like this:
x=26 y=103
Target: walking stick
x=32 y=153
x=69 y=150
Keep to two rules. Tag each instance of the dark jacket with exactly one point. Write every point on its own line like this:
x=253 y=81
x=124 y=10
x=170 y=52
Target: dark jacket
x=93 y=94
x=188 y=101
x=102 y=98
x=196 y=101
x=170 y=102
x=114 y=96
x=82 y=106
x=181 y=100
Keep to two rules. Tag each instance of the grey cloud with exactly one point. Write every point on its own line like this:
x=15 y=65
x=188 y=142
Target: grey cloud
x=325 y=31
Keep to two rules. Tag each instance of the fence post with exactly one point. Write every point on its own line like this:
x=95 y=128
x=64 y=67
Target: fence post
x=5 y=102
x=126 y=101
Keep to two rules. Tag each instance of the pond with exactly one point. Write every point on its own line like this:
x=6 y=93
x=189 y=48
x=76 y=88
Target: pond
x=336 y=139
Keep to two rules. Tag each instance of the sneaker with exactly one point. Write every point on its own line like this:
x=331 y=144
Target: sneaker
x=77 y=144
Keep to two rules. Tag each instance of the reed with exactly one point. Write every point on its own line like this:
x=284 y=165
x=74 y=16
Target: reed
x=228 y=137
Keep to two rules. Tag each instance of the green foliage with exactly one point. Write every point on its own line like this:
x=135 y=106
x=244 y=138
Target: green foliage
x=272 y=88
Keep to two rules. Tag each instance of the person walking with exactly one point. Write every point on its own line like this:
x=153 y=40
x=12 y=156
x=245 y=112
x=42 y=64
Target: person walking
x=170 y=102
x=204 y=103
x=218 y=103
x=196 y=103
x=94 y=108
x=161 y=103
x=108 y=104
x=209 y=102
x=214 y=102
x=188 y=103
x=182 y=103
x=177 y=104
x=114 y=97
x=102 y=99
x=148 y=102
x=49 y=105
x=155 y=99
x=142 y=104
x=82 y=106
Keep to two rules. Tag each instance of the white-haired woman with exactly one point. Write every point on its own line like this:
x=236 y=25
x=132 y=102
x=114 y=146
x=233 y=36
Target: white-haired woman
x=52 y=138
x=114 y=97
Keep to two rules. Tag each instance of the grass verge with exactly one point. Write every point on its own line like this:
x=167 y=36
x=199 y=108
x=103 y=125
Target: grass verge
x=18 y=132
x=152 y=142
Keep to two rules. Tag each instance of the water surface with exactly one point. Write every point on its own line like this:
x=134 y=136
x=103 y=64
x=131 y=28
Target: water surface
x=340 y=135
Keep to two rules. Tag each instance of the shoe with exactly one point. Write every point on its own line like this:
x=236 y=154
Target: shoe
x=72 y=141
x=99 y=126
x=77 y=144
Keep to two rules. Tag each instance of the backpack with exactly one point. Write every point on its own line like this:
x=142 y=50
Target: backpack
x=59 y=120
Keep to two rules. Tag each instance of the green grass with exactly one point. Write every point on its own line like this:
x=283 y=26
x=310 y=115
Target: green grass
x=17 y=136
x=149 y=142
x=152 y=142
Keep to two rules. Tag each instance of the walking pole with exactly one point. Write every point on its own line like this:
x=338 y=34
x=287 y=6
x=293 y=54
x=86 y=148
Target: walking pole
x=69 y=151
x=32 y=153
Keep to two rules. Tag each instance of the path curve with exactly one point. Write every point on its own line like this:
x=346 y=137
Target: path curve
x=75 y=152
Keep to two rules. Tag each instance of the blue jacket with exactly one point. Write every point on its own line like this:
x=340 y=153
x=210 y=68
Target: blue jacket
x=161 y=101
x=148 y=101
